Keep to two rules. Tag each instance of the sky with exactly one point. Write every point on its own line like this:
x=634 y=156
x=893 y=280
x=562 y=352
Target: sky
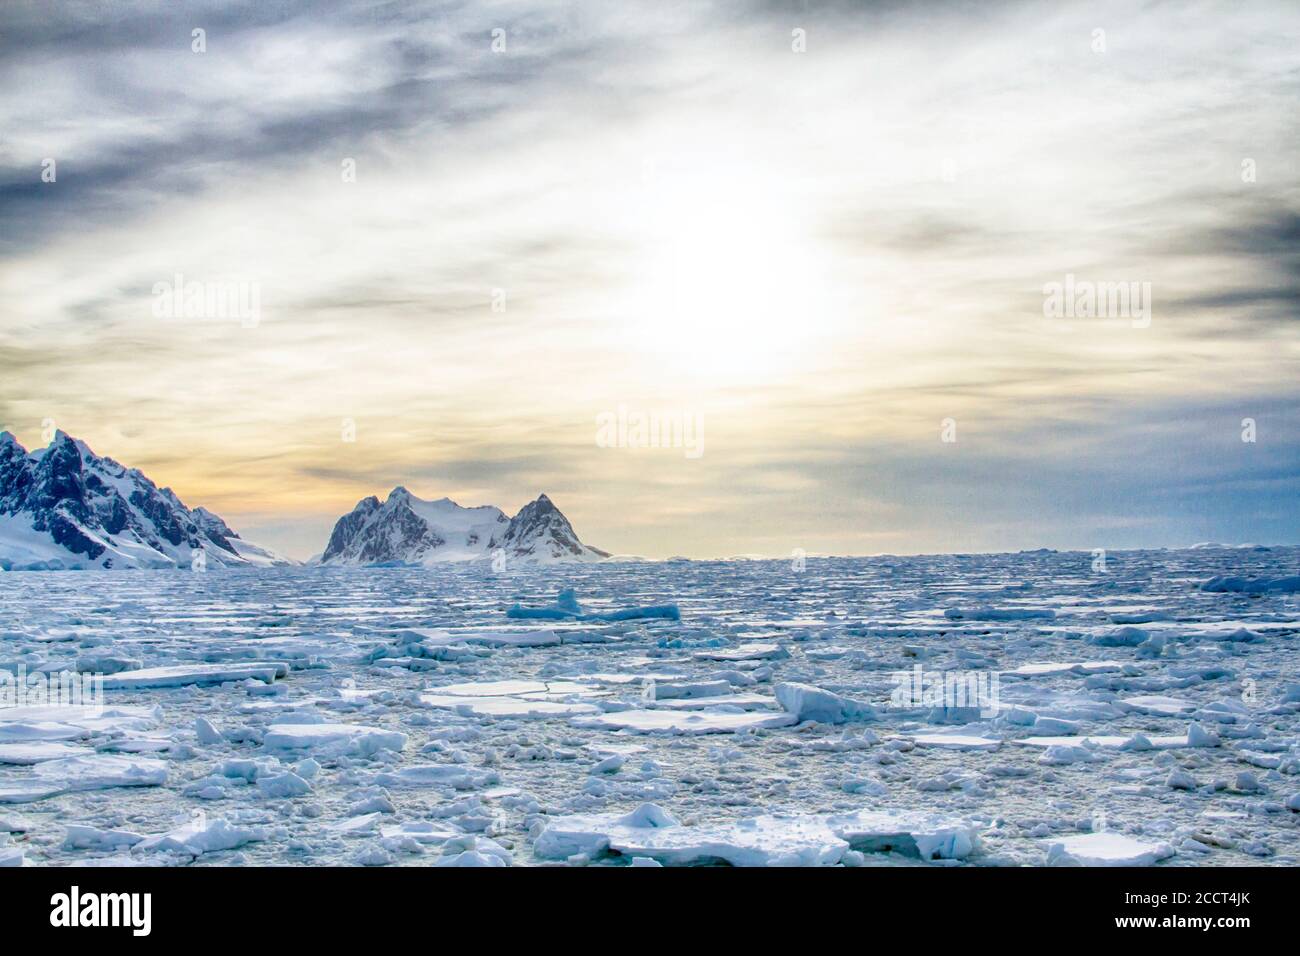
x=820 y=237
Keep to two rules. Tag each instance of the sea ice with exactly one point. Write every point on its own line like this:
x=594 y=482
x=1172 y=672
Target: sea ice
x=349 y=737
x=180 y=675
x=1105 y=849
x=766 y=840
x=806 y=702
x=38 y=752
x=201 y=835
x=506 y=707
x=685 y=722
x=88 y=772
x=745 y=652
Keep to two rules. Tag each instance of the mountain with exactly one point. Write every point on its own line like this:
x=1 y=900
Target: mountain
x=409 y=530
x=63 y=506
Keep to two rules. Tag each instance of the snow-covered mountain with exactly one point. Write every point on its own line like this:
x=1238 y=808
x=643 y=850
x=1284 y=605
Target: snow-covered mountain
x=409 y=530
x=63 y=506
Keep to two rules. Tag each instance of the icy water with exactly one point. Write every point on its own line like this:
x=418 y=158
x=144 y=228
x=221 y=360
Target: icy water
x=351 y=752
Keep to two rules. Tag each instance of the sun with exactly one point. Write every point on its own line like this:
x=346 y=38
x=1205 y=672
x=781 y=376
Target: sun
x=729 y=284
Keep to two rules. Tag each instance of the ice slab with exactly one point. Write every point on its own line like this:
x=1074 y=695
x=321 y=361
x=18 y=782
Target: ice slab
x=1157 y=705
x=459 y=776
x=744 y=701
x=683 y=689
x=650 y=831
x=350 y=737
x=1106 y=741
x=806 y=702
x=1106 y=849
x=999 y=614
x=744 y=652
x=201 y=835
x=421 y=831
x=492 y=688
x=13 y=823
x=1226 y=584
x=957 y=741
x=88 y=772
x=38 y=752
x=81 y=836
x=180 y=675
x=912 y=833
x=517 y=707
x=685 y=722
x=566 y=607
x=767 y=840
x=524 y=637
x=39 y=730
x=1050 y=669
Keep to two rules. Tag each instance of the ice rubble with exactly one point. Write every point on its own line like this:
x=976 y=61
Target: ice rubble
x=766 y=840
x=1117 y=726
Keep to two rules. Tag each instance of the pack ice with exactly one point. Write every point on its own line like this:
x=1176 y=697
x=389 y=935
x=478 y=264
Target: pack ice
x=943 y=710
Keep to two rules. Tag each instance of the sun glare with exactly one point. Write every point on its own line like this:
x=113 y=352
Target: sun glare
x=730 y=286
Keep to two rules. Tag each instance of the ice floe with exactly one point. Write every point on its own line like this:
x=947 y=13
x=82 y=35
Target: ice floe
x=685 y=722
x=1106 y=849
x=82 y=772
x=180 y=675
x=345 y=737
x=766 y=840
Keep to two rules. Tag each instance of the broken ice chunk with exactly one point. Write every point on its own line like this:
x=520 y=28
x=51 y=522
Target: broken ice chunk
x=806 y=702
x=201 y=835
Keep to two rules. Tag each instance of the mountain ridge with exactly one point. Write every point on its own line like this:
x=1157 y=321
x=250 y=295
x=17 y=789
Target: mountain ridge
x=64 y=507
x=406 y=529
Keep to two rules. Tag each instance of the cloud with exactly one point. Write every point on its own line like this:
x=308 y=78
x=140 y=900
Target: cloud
x=823 y=254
